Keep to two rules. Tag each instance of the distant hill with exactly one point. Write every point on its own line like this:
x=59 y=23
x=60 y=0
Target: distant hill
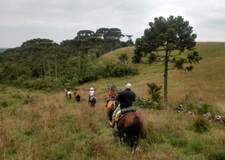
x=3 y=49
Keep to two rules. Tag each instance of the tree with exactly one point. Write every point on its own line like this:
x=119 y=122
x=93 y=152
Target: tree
x=123 y=59
x=165 y=40
x=84 y=34
x=129 y=41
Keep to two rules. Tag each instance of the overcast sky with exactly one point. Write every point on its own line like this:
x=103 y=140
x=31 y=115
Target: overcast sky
x=58 y=20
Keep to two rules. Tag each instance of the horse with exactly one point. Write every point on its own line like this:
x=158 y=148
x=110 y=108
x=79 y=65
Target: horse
x=77 y=96
x=129 y=124
x=92 y=100
x=68 y=94
x=110 y=107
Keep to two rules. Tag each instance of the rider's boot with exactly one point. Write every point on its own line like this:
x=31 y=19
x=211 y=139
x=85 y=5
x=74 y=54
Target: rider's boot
x=112 y=124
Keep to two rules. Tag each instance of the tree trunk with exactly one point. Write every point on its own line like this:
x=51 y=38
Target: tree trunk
x=79 y=64
x=49 y=69
x=56 y=68
x=17 y=74
x=165 y=78
x=43 y=68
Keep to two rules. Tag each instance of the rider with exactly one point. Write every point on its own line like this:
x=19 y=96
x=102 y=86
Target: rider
x=91 y=93
x=67 y=89
x=111 y=95
x=126 y=98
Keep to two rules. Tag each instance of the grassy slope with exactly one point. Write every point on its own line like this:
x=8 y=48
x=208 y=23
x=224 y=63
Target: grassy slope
x=53 y=128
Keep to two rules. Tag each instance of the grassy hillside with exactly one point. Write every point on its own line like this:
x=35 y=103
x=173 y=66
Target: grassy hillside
x=39 y=125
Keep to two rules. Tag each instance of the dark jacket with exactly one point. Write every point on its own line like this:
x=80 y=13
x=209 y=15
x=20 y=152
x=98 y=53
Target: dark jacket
x=126 y=98
x=68 y=89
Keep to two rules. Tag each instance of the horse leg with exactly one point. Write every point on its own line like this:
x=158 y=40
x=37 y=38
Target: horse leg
x=136 y=143
x=121 y=136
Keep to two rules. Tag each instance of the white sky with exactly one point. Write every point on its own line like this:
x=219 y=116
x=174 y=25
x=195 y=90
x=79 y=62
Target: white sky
x=58 y=20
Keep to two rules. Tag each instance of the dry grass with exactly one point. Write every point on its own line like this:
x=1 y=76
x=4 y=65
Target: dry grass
x=52 y=127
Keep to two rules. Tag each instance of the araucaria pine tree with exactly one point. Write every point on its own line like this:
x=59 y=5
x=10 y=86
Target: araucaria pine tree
x=164 y=41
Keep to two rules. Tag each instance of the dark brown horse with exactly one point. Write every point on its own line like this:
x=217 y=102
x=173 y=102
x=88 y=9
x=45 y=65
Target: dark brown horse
x=130 y=125
x=92 y=100
x=77 y=96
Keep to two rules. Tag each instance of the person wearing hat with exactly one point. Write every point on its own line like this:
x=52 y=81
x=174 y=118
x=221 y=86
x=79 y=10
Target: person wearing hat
x=67 y=89
x=126 y=99
x=91 y=93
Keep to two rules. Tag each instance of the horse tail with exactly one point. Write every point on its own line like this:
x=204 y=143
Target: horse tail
x=133 y=128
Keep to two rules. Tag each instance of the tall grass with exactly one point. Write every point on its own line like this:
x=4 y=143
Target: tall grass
x=51 y=127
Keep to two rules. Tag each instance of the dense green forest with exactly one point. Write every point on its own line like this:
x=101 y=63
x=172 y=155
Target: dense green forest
x=43 y=64
x=2 y=49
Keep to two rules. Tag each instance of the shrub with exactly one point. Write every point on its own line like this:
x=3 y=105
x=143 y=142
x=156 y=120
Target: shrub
x=29 y=131
x=189 y=102
x=154 y=91
x=28 y=100
x=217 y=154
x=115 y=70
x=201 y=125
x=151 y=134
x=205 y=108
x=194 y=147
x=178 y=142
x=4 y=104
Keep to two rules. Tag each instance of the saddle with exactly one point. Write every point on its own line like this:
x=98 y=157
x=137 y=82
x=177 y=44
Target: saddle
x=111 y=99
x=92 y=98
x=123 y=111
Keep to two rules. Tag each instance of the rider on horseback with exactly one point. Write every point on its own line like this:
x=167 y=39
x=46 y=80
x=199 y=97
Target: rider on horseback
x=68 y=89
x=91 y=93
x=111 y=95
x=126 y=98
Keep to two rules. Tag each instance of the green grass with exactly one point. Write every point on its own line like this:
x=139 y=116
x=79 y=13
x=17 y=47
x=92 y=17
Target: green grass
x=45 y=125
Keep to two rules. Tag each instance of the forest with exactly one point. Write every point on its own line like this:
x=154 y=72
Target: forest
x=43 y=64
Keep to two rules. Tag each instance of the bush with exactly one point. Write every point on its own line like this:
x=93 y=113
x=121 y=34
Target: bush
x=178 y=142
x=28 y=99
x=4 y=104
x=154 y=91
x=115 y=70
x=201 y=125
x=195 y=147
x=205 y=108
x=217 y=154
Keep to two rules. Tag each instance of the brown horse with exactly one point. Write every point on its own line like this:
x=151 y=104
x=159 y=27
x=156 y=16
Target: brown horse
x=77 y=96
x=110 y=107
x=130 y=124
x=92 y=100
